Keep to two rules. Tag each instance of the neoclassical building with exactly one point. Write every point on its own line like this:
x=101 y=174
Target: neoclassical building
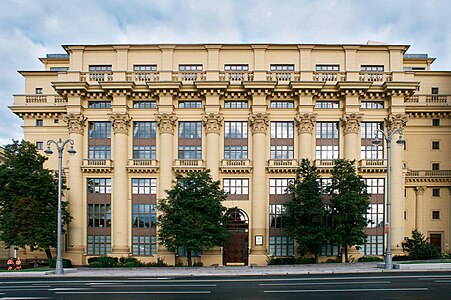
x=139 y=114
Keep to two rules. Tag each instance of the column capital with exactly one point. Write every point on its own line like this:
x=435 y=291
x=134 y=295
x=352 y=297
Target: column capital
x=259 y=122
x=396 y=121
x=305 y=122
x=419 y=190
x=212 y=122
x=166 y=122
x=75 y=122
x=351 y=122
x=120 y=122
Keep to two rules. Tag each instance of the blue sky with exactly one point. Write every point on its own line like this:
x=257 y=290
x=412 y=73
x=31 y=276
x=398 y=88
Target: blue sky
x=31 y=28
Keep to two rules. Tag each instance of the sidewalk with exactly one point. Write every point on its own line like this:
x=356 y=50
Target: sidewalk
x=352 y=268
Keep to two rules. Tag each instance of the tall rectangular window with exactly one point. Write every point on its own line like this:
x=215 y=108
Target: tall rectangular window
x=144 y=140
x=374 y=245
x=278 y=186
x=144 y=216
x=235 y=140
x=327 y=140
x=99 y=216
x=367 y=149
x=281 y=246
x=276 y=215
x=237 y=188
x=190 y=140
x=282 y=141
x=99 y=141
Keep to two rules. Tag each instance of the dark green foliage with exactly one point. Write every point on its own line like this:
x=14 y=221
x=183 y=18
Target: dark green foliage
x=28 y=199
x=306 y=214
x=198 y=264
x=332 y=261
x=290 y=260
x=67 y=263
x=369 y=259
x=348 y=206
x=108 y=261
x=159 y=263
x=95 y=264
x=192 y=215
x=418 y=247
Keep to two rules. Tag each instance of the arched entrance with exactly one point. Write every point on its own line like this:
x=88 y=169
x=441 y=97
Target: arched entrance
x=236 y=249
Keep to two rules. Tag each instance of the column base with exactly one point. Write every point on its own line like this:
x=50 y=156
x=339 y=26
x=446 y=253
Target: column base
x=120 y=251
x=212 y=257
x=258 y=259
x=76 y=255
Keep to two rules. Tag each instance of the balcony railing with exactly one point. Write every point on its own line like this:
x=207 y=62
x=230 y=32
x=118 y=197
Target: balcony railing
x=142 y=76
x=97 y=165
x=236 y=165
x=283 y=76
x=189 y=76
x=282 y=165
x=429 y=173
x=236 y=76
x=429 y=99
x=143 y=165
x=328 y=163
x=96 y=76
x=370 y=163
x=329 y=76
x=375 y=76
x=39 y=99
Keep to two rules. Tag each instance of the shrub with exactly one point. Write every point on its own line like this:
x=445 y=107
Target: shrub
x=95 y=264
x=401 y=258
x=92 y=259
x=333 y=261
x=159 y=263
x=108 y=261
x=369 y=259
x=198 y=264
x=67 y=263
x=418 y=247
x=131 y=261
x=305 y=260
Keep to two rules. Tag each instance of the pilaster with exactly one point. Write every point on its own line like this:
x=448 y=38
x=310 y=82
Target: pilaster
x=351 y=129
x=213 y=123
x=305 y=123
x=419 y=192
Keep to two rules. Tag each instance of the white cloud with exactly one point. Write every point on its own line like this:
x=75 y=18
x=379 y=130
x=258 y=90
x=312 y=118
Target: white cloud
x=29 y=29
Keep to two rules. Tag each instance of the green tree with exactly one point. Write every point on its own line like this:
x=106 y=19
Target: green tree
x=418 y=247
x=192 y=215
x=28 y=199
x=348 y=205
x=306 y=214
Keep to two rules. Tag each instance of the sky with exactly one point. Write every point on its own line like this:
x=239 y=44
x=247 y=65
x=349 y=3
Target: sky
x=30 y=29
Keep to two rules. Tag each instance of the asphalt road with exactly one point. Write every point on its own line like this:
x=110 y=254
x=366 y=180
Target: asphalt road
x=417 y=285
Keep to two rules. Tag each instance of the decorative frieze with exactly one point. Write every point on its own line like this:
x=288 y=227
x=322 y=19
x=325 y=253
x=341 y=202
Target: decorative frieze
x=396 y=121
x=75 y=122
x=259 y=122
x=166 y=122
x=419 y=190
x=351 y=123
x=120 y=122
x=212 y=122
x=305 y=122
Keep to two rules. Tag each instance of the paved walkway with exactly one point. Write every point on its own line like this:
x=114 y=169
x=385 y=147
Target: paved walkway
x=232 y=271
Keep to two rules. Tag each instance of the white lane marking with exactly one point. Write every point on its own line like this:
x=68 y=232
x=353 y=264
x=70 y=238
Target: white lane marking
x=143 y=292
x=23 y=289
x=165 y=285
x=442 y=281
x=325 y=283
x=349 y=290
x=151 y=278
x=22 y=298
x=69 y=289
x=101 y=283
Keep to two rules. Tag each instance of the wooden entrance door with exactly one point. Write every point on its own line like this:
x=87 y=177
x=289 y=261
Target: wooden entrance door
x=236 y=248
x=436 y=240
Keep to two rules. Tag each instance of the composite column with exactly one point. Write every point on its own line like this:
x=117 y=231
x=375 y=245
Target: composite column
x=305 y=123
x=259 y=123
x=393 y=122
x=75 y=124
x=120 y=123
x=351 y=128
x=419 y=192
x=213 y=123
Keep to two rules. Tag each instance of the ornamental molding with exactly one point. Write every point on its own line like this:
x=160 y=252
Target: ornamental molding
x=423 y=114
x=75 y=122
x=419 y=190
x=259 y=122
x=305 y=122
x=120 y=122
x=396 y=121
x=212 y=122
x=166 y=122
x=351 y=123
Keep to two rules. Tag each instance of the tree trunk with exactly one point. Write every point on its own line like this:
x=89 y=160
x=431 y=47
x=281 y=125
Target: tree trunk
x=48 y=253
x=188 y=254
x=346 y=254
x=316 y=258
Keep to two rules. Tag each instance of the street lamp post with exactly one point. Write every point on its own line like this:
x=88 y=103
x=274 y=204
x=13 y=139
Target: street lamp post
x=388 y=137
x=60 y=147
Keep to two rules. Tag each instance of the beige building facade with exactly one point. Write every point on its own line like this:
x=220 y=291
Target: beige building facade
x=138 y=114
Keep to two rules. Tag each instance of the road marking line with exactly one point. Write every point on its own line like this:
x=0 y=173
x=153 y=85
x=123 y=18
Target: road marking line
x=165 y=285
x=24 y=298
x=349 y=290
x=70 y=289
x=326 y=283
x=143 y=292
x=442 y=281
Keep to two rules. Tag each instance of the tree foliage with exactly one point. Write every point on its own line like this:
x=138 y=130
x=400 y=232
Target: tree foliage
x=28 y=199
x=348 y=206
x=192 y=215
x=306 y=214
x=418 y=247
